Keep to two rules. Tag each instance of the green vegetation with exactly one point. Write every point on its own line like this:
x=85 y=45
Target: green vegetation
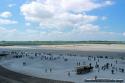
x=11 y=43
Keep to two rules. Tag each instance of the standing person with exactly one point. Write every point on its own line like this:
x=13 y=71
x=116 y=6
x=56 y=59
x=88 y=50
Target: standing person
x=68 y=73
x=122 y=70
x=90 y=64
x=112 y=71
x=79 y=63
x=98 y=69
x=24 y=63
x=94 y=58
x=45 y=70
x=116 y=61
x=111 y=64
x=98 y=60
x=50 y=69
x=95 y=77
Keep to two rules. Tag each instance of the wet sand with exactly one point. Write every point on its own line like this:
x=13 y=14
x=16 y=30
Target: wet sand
x=7 y=76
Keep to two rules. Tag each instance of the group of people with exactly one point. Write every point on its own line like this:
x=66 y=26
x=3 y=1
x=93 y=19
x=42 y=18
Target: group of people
x=49 y=57
x=107 y=65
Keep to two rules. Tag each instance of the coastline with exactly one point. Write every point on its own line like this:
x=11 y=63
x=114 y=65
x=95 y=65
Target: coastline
x=81 y=50
x=77 y=47
x=8 y=76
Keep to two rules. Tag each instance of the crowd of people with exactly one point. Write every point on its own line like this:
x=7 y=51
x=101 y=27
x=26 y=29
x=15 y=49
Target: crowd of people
x=112 y=66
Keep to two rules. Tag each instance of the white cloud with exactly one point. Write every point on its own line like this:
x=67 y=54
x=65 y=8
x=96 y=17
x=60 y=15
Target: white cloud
x=123 y=33
x=11 y=5
x=6 y=34
x=4 y=20
x=14 y=34
x=89 y=28
x=36 y=34
x=4 y=30
x=58 y=16
x=82 y=5
x=109 y=2
x=62 y=19
x=67 y=20
x=49 y=8
x=7 y=21
x=5 y=14
x=28 y=24
x=104 y=17
x=35 y=11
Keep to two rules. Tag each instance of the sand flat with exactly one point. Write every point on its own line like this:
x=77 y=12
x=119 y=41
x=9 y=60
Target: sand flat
x=37 y=66
x=79 y=47
x=87 y=47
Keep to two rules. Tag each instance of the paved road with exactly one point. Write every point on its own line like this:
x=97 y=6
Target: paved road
x=7 y=76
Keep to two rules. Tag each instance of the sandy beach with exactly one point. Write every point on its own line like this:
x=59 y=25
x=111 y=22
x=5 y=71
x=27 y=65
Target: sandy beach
x=7 y=76
x=81 y=49
x=88 y=47
x=113 y=50
x=77 y=47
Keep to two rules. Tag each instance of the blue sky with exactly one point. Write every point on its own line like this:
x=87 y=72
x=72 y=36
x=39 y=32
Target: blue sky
x=62 y=20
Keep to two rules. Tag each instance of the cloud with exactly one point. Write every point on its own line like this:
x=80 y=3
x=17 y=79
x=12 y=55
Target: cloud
x=4 y=31
x=17 y=35
x=104 y=18
x=7 y=21
x=109 y=2
x=60 y=14
x=43 y=9
x=11 y=5
x=6 y=34
x=33 y=34
x=123 y=33
x=4 y=18
x=28 y=24
x=5 y=14
x=83 y=5
x=89 y=28
x=35 y=11
x=65 y=19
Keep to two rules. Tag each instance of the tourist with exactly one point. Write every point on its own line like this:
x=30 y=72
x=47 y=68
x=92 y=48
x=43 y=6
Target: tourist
x=45 y=70
x=95 y=77
x=50 y=69
x=112 y=71
x=68 y=73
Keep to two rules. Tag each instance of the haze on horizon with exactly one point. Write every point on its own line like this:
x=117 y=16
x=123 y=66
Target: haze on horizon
x=67 y=20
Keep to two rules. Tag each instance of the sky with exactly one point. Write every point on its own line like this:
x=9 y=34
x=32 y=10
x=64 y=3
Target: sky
x=62 y=20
